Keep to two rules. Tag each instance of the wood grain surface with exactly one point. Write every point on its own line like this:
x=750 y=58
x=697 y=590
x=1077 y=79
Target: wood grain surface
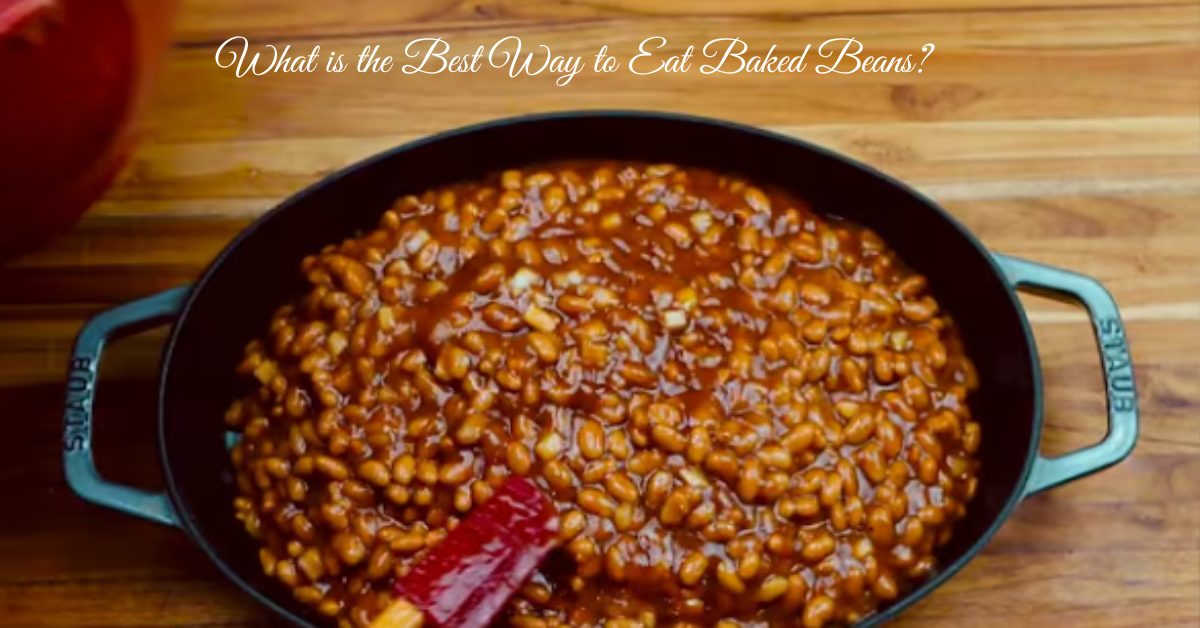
x=1063 y=131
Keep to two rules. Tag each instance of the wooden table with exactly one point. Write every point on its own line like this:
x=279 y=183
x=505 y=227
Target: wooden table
x=1063 y=131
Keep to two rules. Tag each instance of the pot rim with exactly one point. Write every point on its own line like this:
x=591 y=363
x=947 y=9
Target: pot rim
x=888 y=613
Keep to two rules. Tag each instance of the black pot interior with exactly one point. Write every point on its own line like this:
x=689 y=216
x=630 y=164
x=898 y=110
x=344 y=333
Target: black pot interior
x=235 y=300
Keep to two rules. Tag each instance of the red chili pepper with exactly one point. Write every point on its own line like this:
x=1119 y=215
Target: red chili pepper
x=467 y=579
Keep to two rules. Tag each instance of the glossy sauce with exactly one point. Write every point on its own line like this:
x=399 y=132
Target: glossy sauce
x=743 y=411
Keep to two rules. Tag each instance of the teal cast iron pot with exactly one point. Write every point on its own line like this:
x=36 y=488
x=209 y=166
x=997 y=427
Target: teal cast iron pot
x=229 y=305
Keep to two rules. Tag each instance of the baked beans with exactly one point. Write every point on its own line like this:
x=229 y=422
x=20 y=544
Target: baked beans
x=746 y=413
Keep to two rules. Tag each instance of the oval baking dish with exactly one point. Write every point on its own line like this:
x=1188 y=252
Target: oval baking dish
x=214 y=318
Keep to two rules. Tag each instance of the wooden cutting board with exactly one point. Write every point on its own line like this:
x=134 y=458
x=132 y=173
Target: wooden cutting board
x=1063 y=131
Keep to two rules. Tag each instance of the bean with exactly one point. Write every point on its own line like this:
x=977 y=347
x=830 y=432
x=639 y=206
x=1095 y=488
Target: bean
x=896 y=403
x=889 y=437
x=853 y=376
x=397 y=494
x=799 y=438
x=481 y=491
x=919 y=311
x=458 y=470
x=757 y=200
x=329 y=607
x=797 y=589
x=404 y=469
x=518 y=457
x=665 y=414
x=771 y=589
x=645 y=462
x=638 y=374
x=669 y=438
x=408 y=543
x=470 y=431
x=884 y=367
x=776 y=484
x=597 y=470
x=913 y=532
x=332 y=467
x=380 y=562
x=268 y=561
x=657 y=487
x=804 y=506
x=597 y=503
x=818 y=547
x=549 y=446
x=911 y=286
x=723 y=463
x=573 y=523
x=628 y=517
x=540 y=319
x=854 y=583
x=452 y=364
x=815 y=294
x=375 y=472
x=558 y=475
x=618 y=445
x=591 y=439
x=502 y=318
x=880 y=526
x=537 y=593
x=285 y=572
x=614 y=563
x=944 y=423
x=748 y=239
x=971 y=437
x=693 y=568
x=490 y=278
x=309 y=562
x=511 y=179
x=750 y=480
x=276 y=468
x=818 y=363
x=749 y=565
x=699 y=444
x=582 y=548
x=818 y=612
x=815 y=330
x=831 y=490
x=838 y=519
x=861 y=428
x=349 y=548
x=927 y=470
x=701 y=516
x=728 y=578
x=545 y=345
x=915 y=392
x=884 y=587
x=936 y=355
x=359 y=492
x=308 y=595
x=675 y=508
x=776 y=457
x=931 y=515
x=427 y=471
x=621 y=487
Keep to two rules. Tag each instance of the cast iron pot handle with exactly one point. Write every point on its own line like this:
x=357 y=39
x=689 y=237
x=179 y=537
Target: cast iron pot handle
x=80 y=469
x=1119 y=383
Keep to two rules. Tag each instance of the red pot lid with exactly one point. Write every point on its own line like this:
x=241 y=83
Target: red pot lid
x=68 y=72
